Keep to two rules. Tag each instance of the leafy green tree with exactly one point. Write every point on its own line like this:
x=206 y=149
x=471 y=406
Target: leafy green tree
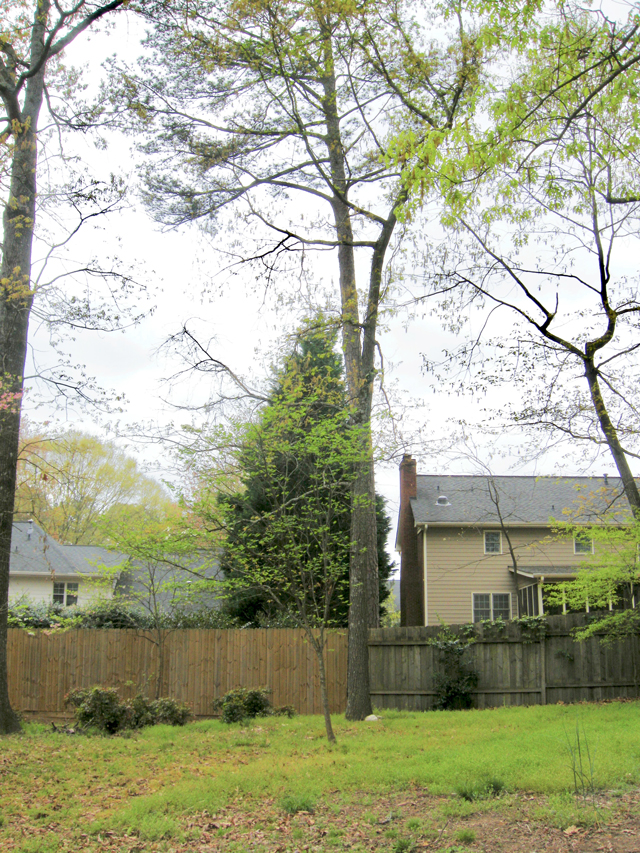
x=608 y=581
x=70 y=481
x=279 y=112
x=288 y=534
x=543 y=206
x=167 y=566
x=312 y=371
x=33 y=36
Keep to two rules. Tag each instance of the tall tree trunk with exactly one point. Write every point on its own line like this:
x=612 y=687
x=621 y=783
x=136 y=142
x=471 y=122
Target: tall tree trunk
x=15 y=304
x=359 y=346
x=364 y=558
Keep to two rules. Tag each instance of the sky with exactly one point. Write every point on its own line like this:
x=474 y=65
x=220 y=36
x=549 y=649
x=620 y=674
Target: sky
x=189 y=281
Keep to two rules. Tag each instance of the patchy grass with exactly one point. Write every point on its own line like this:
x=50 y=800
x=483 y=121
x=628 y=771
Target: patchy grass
x=205 y=784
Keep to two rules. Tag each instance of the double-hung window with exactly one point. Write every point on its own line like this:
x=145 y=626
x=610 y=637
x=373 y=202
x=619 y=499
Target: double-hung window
x=582 y=544
x=492 y=542
x=491 y=605
x=65 y=593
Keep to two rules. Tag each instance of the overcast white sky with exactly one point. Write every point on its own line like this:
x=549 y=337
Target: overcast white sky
x=178 y=267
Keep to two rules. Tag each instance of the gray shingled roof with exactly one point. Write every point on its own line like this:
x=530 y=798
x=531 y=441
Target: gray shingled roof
x=33 y=552
x=522 y=500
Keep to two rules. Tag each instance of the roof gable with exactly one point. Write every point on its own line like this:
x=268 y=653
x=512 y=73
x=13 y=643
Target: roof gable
x=34 y=552
x=517 y=500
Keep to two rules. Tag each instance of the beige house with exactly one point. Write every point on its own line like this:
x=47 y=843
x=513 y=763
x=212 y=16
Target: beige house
x=482 y=547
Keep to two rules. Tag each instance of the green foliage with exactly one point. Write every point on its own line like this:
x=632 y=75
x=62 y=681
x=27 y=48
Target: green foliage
x=404 y=845
x=244 y=704
x=168 y=712
x=114 y=613
x=102 y=709
x=455 y=680
x=539 y=181
x=481 y=790
x=99 y=708
x=70 y=481
x=609 y=578
x=296 y=470
x=582 y=762
x=48 y=615
x=465 y=836
x=532 y=628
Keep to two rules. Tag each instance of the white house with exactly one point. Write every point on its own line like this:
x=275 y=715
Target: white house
x=43 y=570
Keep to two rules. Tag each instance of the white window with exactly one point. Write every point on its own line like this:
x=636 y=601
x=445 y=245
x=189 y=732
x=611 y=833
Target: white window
x=491 y=605
x=582 y=544
x=492 y=542
x=65 y=593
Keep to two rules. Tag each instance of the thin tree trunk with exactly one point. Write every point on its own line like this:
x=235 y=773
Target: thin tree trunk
x=319 y=647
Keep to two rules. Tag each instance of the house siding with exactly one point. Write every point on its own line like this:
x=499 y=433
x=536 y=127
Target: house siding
x=39 y=590
x=457 y=566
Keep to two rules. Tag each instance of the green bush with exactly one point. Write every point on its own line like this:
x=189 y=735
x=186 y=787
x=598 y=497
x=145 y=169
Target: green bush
x=284 y=711
x=168 y=712
x=455 y=680
x=99 y=708
x=45 y=615
x=244 y=704
x=102 y=709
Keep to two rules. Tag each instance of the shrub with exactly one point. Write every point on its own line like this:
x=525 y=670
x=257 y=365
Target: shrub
x=284 y=711
x=456 y=679
x=102 y=709
x=170 y=713
x=140 y=712
x=244 y=704
x=113 y=614
x=109 y=614
x=99 y=708
x=25 y=614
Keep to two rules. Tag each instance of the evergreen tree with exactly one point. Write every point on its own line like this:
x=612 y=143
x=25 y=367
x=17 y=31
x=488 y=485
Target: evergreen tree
x=310 y=380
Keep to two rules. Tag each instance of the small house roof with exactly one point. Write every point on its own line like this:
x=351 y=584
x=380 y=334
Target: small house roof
x=516 y=500
x=33 y=552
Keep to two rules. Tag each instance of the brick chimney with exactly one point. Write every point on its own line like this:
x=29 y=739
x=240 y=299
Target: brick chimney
x=411 y=581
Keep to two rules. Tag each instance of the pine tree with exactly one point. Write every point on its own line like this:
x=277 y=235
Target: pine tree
x=310 y=379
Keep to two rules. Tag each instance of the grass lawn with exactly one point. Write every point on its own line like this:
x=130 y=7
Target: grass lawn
x=443 y=781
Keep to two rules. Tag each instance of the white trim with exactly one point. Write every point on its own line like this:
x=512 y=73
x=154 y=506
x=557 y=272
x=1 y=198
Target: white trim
x=424 y=574
x=521 y=572
x=540 y=601
x=50 y=576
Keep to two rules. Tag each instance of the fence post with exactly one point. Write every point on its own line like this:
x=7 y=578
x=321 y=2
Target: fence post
x=543 y=671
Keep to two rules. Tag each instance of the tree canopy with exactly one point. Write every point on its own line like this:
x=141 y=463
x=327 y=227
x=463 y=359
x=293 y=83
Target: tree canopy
x=73 y=483
x=542 y=206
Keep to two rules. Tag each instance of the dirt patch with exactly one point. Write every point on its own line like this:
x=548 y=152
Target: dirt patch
x=419 y=821
x=409 y=822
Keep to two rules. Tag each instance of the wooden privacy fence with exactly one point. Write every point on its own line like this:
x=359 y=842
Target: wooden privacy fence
x=201 y=665
x=514 y=667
